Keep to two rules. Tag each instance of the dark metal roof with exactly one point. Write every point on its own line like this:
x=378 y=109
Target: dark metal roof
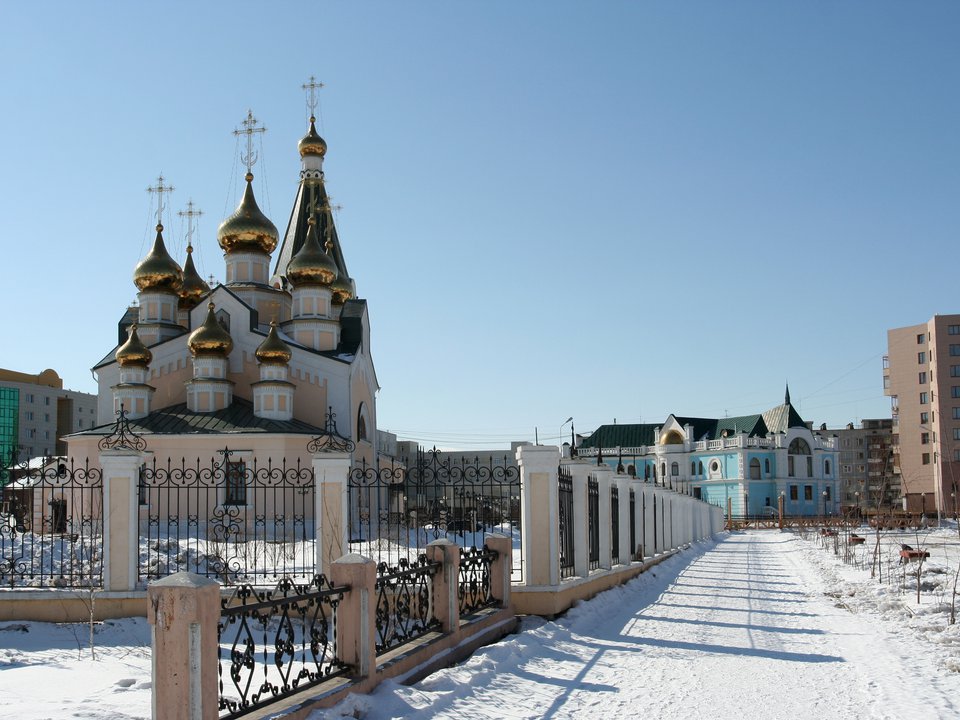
x=238 y=418
x=614 y=436
x=783 y=417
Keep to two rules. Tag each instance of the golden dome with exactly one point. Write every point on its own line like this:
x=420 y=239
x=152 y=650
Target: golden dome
x=673 y=437
x=193 y=286
x=342 y=289
x=210 y=338
x=273 y=349
x=312 y=143
x=133 y=351
x=158 y=271
x=248 y=229
x=312 y=265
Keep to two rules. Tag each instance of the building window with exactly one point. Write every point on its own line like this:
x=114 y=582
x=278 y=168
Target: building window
x=31 y=433
x=923 y=378
x=826 y=467
x=29 y=397
x=808 y=492
x=955 y=391
x=924 y=398
x=790 y=469
x=956 y=413
x=953 y=329
x=675 y=469
x=827 y=493
x=956 y=455
x=766 y=465
x=236 y=485
x=793 y=493
x=956 y=433
x=28 y=415
x=924 y=418
x=693 y=468
x=809 y=466
x=925 y=459
x=46 y=401
x=920 y=339
x=81 y=422
x=921 y=357
x=646 y=472
x=955 y=371
x=699 y=467
x=924 y=438
x=46 y=417
x=955 y=351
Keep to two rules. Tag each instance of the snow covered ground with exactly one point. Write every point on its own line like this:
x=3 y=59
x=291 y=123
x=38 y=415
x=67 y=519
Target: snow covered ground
x=757 y=623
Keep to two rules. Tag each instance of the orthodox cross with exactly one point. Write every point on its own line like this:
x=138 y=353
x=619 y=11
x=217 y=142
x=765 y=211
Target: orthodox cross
x=249 y=129
x=160 y=189
x=190 y=214
x=311 y=88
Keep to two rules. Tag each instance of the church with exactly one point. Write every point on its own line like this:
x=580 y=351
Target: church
x=258 y=365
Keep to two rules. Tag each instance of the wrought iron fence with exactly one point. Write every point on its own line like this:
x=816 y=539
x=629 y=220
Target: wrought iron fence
x=614 y=525
x=51 y=525
x=405 y=602
x=474 y=588
x=274 y=643
x=633 y=525
x=565 y=494
x=593 y=522
x=230 y=519
x=395 y=512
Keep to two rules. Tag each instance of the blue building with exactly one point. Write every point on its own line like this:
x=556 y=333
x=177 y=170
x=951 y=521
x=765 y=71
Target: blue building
x=749 y=461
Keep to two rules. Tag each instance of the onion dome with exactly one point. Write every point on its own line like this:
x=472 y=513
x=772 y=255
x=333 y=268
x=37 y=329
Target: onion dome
x=248 y=229
x=312 y=265
x=193 y=287
x=158 y=271
x=342 y=290
x=312 y=143
x=210 y=338
x=133 y=352
x=273 y=349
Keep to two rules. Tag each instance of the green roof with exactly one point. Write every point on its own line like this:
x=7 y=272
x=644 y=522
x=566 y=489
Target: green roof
x=612 y=436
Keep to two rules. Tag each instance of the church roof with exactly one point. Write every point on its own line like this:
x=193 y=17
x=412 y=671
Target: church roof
x=296 y=234
x=783 y=417
x=235 y=419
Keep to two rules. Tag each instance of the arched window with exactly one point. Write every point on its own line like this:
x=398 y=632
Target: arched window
x=700 y=467
x=766 y=465
x=798 y=447
x=362 y=422
x=826 y=466
x=632 y=470
x=663 y=470
x=693 y=468
x=754 y=469
x=646 y=471
x=675 y=469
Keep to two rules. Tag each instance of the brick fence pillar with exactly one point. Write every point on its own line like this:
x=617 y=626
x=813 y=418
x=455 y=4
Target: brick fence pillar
x=184 y=610
x=446 y=602
x=357 y=615
x=502 y=567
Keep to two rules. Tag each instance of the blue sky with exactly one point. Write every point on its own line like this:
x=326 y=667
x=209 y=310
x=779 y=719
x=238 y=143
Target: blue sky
x=604 y=210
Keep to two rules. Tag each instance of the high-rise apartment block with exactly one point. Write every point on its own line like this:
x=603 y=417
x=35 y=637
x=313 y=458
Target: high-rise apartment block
x=36 y=412
x=868 y=478
x=922 y=377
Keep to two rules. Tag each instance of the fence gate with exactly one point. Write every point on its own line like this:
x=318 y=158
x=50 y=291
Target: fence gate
x=228 y=519
x=395 y=512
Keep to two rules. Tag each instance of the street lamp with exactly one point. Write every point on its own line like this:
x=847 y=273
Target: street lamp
x=560 y=441
x=824 y=505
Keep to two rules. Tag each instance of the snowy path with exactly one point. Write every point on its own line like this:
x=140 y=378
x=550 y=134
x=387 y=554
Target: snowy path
x=742 y=629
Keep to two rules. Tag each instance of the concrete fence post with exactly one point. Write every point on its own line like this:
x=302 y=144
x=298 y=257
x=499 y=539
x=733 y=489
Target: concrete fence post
x=331 y=511
x=501 y=568
x=121 y=524
x=638 y=520
x=649 y=520
x=604 y=479
x=540 y=513
x=446 y=602
x=623 y=487
x=357 y=615
x=184 y=610
x=581 y=542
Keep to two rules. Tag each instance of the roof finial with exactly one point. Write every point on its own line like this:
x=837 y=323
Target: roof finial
x=190 y=214
x=160 y=189
x=249 y=129
x=786 y=397
x=311 y=88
